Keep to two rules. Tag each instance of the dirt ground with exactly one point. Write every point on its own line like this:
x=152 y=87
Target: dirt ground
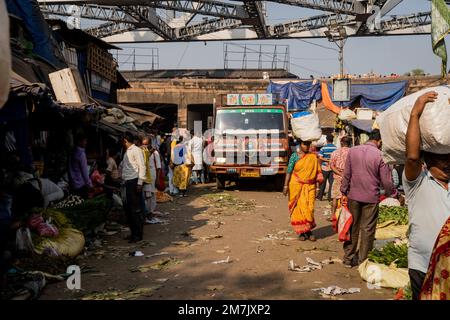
x=251 y=228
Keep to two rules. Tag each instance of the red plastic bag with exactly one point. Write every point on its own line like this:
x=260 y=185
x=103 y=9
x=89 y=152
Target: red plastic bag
x=344 y=223
x=44 y=229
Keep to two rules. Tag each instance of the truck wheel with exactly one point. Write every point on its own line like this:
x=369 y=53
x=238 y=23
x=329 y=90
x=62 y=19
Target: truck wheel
x=220 y=182
x=279 y=182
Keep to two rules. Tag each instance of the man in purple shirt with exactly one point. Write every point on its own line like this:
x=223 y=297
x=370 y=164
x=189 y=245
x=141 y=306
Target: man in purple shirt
x=78 y=168
x=365 y=173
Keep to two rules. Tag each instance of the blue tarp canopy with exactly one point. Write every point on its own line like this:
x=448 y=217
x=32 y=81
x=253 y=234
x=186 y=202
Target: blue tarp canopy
x=364 y=125
x=376 y=96
x=300 y=95
x=29 y=12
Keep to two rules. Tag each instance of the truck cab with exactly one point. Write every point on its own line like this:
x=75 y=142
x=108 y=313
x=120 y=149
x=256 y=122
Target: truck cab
x=250 y=139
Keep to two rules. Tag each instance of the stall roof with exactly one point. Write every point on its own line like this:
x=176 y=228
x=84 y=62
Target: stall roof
x=139 y=115
x=77 y=37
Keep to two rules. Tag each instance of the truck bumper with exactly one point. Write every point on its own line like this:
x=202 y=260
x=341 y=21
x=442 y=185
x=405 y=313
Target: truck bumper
x=249 y=172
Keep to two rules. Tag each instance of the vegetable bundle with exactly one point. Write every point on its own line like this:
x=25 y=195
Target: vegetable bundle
x=89 y=214
x=391 y=253
x=399 y=214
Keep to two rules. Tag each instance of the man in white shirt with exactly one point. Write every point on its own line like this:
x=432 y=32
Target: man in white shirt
x=196 y=149
x=133 y=177
x=427 y=195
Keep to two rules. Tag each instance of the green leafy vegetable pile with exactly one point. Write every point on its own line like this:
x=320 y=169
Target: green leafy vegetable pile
x=399 y=214
x=391 y=253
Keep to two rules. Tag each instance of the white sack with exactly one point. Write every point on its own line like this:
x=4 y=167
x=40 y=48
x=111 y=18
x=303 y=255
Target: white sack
x=434 y=125
x=306 y=128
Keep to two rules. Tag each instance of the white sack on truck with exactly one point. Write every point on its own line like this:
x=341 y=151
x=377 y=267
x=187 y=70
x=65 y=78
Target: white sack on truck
x=434 y=125
x=305 y=126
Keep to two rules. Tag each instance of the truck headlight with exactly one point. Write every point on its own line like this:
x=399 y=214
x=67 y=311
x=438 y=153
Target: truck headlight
x=221 y=160
x=279 y=159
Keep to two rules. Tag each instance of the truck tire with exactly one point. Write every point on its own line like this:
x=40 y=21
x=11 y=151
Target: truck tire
x=220 y=182
x=279 y=182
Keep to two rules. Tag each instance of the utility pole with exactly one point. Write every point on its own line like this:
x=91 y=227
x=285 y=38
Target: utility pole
x=338 y=35
x=341 y=44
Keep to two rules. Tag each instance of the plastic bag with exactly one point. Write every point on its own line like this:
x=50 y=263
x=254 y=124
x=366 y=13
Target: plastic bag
x=435 y=131
x=69 y=243
x=5 y=55
x=43 y=228
x=390 y=229
x=345 y=221
x=306 y=126
x=23 y=240
x=117 y=200
x=346 y=115
x=384 y=276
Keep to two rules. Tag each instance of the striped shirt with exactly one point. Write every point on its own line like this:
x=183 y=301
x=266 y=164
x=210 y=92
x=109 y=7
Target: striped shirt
x=325 y=152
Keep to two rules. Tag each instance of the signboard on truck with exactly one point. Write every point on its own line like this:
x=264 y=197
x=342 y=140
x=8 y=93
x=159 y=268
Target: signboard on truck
x=249 y=99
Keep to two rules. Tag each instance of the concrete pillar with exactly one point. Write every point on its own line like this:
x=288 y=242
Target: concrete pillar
x=182 y=112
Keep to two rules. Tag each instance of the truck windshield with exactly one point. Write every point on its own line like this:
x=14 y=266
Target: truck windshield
x=249 y=119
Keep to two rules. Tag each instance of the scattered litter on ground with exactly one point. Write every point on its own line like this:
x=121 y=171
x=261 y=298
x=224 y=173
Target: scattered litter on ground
x=312 y=250
x=145 y=243
x=259 y=250
x=122 y=295
x=157 y=254
x=162 y=280
x=217 y=224
x=155 y=220
x=100 y=274
x=215 y=287
x=225 y=203
x=211 y=237
x=278 y=236
x=136 y=254
x=181 y=243
x=160 y=265
x=326 y=212
x=336 y=291
x=312 y=265
x=221 y=251
x=227 y=260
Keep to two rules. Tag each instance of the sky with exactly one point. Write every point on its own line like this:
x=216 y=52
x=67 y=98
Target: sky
x=383 y=55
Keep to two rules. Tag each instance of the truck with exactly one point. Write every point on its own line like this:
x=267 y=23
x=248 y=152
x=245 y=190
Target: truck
x=250 y=139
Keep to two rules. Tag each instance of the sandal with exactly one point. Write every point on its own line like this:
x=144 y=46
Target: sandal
x=302 y=237
x=311 y=237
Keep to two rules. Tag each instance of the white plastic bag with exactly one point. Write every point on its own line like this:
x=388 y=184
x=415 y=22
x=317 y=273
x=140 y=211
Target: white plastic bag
x=23 y=240
x=117 y=200
x=5 y=54
x=306 y=126
x=434 y=125
x=346 y=115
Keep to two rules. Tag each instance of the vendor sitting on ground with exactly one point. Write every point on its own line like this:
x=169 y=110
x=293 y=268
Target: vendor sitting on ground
x=78 y=168
x=98 y=178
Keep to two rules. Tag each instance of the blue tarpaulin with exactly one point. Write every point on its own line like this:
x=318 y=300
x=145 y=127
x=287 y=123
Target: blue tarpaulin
x=376 y=96
x=364 y=125
x=300 y=95
x=29 y=12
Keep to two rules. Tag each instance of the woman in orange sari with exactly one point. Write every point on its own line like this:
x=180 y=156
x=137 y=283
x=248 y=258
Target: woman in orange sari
x=300 y=185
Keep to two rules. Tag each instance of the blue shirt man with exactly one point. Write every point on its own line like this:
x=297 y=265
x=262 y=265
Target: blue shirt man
x=325 y=157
